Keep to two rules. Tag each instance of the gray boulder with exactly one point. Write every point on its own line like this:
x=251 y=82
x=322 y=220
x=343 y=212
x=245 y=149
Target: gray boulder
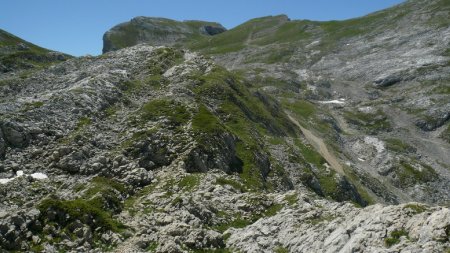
x=15 y=135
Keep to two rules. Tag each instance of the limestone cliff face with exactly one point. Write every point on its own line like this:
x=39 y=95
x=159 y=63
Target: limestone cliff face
x=156 y=32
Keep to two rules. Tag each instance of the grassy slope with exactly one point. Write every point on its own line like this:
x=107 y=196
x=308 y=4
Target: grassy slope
x=32 y=56
x=278 y=30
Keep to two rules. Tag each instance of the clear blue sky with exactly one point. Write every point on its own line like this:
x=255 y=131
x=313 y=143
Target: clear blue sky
x=77 y=26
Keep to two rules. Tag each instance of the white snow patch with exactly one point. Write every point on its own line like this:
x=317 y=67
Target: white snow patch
x=340 y=101
x=312 y=44
x=39 y=176
x=379 y=145
x=5 y=180
x=20 y=173
x=366 y=109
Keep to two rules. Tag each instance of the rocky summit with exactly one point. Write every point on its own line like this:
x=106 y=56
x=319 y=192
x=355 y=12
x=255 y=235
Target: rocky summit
x=157 y=32
x=278 y=135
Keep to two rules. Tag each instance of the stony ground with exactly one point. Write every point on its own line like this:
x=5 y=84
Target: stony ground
x=88 y=166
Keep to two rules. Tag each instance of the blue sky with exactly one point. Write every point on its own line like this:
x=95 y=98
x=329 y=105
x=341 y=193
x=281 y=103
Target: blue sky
x=76 y=27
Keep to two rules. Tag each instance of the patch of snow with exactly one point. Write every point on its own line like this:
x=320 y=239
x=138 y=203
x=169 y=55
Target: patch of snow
x=5 y=180
x=20 y=173
x=340 y=102
x=312 y=44
x=366 y=109
x=39 y=176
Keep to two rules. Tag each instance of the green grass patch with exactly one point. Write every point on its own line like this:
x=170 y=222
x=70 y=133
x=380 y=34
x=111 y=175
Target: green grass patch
x=33 y=105
x=111 y=111
x=395 y=237
x=281 y=250
x=83 y=122
x=189 y=182
x=441 y=89
x=100 y=200
x=237 y=221
x=446 y=134
x=309 y=154
x=398 y=145
x=242 y=114
x=219 y=250
x=174 y=111
x=131 y=201
x=291 y=199
x=206 y=122
x=302 y=108
x=369 y=122
x=272 y=210
x=236 y=185
x=151 y=247
x=321 y=219
x=163 y=59
x=410 y=174
x=82 y=210
x=416 y=208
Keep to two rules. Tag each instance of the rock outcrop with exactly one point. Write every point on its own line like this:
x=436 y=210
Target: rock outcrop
x=156 y=32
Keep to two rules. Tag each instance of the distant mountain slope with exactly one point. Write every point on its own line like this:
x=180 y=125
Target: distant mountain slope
x=157 y=31
x=17 y=54
x=376 y=88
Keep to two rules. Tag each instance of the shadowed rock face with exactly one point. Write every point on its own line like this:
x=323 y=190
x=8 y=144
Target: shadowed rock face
x=156 y=32
x=14 y=134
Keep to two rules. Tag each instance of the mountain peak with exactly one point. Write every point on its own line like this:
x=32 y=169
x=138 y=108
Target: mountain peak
x=157 y=31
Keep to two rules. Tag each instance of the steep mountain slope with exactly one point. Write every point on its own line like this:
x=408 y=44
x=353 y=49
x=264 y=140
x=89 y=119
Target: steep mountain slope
x=375 y=89
x=17 y=54
x=157 y=32
x=152 y=148
x=98 y=129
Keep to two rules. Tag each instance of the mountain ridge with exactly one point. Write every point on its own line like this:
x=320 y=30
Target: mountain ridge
x=18 y=54
x=157 y=31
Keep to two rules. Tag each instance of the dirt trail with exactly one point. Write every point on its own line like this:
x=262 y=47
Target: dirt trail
x=320 y=146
